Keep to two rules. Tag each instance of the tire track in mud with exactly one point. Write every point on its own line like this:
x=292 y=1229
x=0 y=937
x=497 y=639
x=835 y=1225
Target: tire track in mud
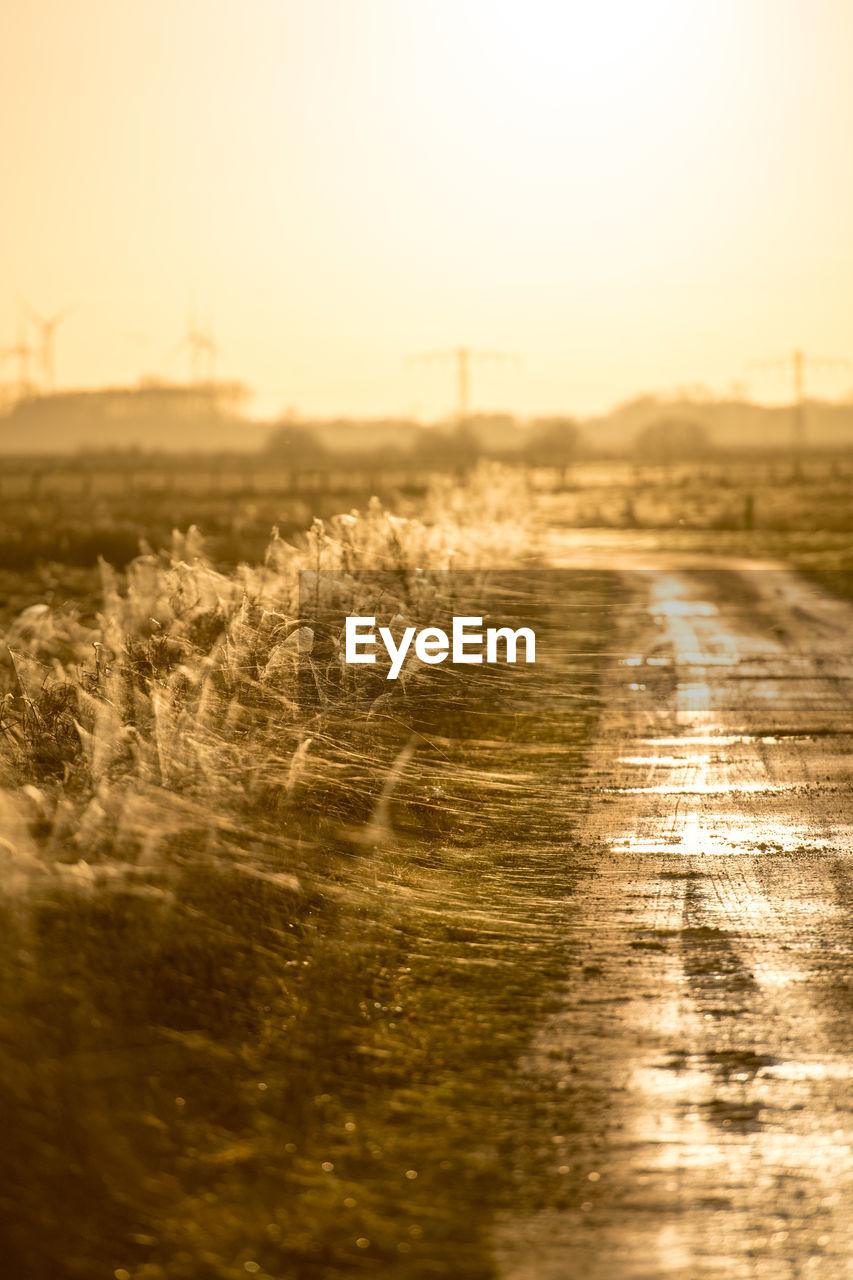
x=704 y=1047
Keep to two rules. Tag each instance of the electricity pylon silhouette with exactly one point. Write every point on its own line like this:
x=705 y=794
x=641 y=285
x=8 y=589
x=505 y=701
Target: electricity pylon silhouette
x=798 y=364
x=462 y=358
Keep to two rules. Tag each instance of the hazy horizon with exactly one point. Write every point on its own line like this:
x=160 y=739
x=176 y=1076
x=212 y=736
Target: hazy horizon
x=631 y=196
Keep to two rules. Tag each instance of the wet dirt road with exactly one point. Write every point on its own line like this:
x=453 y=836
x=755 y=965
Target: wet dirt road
x=705 y=1040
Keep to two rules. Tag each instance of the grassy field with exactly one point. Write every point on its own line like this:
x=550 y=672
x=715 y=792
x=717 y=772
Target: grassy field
x=275 y=936
x=778 y=496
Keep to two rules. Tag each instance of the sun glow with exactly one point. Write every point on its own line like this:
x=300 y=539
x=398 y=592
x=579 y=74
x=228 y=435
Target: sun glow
x=616 y=42
x=631 y=63
x=632 y=194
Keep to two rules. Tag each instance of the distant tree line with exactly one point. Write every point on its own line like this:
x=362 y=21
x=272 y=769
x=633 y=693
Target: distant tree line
x=550 y=441
x=554 y=441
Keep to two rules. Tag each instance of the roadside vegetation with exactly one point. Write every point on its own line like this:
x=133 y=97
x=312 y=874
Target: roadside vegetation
x=276 y=930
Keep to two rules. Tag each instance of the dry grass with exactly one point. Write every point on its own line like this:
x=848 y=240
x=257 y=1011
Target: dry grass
x=262 y=982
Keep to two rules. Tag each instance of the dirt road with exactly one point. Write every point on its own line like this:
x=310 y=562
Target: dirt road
x=705 y=1042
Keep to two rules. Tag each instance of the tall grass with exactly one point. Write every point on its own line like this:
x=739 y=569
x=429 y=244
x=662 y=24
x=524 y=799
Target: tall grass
x=236 y=1027
x=190 y=686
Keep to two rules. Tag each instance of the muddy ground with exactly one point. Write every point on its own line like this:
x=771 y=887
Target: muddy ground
x=704 y=1043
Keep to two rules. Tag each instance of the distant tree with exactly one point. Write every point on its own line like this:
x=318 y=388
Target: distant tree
x=553 y=442
x=295 y=446
x=672 y=440
x=457 y=448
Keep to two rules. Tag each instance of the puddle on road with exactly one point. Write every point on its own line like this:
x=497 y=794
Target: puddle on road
x=666 y=761
x=721 y=739
x=641 y=659
x=695 y=768
x=679 y=608
x=685 y=789
x=693 y=838
x=816 y=1069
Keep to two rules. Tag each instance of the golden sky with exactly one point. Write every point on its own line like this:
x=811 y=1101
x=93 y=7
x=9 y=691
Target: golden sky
x=630 y=194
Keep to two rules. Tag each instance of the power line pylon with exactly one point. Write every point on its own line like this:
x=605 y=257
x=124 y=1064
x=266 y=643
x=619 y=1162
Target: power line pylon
x=462 y=358
x=797 y=364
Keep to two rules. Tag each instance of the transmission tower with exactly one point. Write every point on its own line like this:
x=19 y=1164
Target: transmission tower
x=796 y=366
x=462 y=358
